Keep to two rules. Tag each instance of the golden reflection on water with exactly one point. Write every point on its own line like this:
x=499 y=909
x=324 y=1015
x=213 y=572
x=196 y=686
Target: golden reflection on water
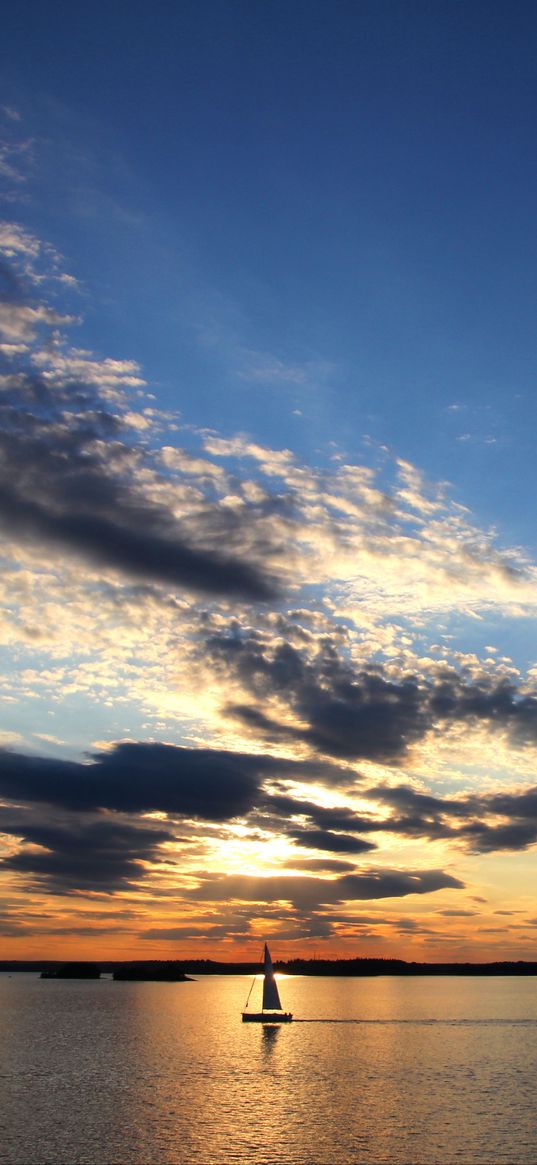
x=428 y=1070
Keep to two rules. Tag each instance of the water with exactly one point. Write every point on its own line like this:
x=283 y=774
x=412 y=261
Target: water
x=428 y=1070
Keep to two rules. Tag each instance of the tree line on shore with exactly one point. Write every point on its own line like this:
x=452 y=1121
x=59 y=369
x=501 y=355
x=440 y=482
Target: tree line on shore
x=179 y=969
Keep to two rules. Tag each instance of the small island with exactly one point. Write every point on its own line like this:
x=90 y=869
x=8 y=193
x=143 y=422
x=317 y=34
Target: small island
x=73 y=971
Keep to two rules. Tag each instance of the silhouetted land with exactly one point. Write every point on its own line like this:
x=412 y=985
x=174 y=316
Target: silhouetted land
x=72 y=971
x=178 y=970
x=159 y=972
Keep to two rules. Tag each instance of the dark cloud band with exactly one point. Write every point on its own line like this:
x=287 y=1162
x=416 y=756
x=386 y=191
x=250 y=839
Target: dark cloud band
x=210 y=784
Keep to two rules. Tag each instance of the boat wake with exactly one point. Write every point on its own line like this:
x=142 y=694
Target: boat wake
x=428 y=1022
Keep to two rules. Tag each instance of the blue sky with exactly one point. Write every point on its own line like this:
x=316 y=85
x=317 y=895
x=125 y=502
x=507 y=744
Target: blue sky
x=347 y=190
x=274 y=265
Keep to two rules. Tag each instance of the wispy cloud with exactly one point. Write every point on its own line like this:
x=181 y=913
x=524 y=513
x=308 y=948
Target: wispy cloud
x=267 y=368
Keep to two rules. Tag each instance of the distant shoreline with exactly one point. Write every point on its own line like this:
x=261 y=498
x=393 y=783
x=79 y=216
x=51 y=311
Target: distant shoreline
x=354 y=968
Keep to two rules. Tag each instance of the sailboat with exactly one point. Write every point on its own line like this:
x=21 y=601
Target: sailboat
x=271 y=1007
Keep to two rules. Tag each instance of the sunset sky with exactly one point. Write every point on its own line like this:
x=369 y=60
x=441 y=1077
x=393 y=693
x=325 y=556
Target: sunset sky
x=268 y=479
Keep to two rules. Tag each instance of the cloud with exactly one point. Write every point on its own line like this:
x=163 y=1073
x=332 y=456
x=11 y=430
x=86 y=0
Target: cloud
x=105 y=517
x=308 y=892
x=460 y=913
x=386 y=546
x=471 y=820
x=210 y=784
x=74 y=480
x=19 y=321
x=113 y=541
x=340 y=818
x=10 y=926
x=322 y=865
x=79 y=367
x=216 y=786
x=374 y=544
x=14 y=157
x=331 y=823
x=334 y=842
x=11 y=113
x=516 y=834
x=16 y=241
x=419 y=814
x=342 y=712
x=58 y=487
x=100 y=855
x=210 y=929
x=19 y=919
x=347 y=711
x=269 y=369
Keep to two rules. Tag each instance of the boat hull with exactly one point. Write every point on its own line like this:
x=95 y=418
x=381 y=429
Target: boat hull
x=266 y=1017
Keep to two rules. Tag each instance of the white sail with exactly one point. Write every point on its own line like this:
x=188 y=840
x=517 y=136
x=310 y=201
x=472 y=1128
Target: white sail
x=271 y=999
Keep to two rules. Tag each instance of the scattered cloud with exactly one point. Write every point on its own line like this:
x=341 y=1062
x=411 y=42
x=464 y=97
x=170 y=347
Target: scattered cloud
x=67 y=484
x=277 y=624
x=311 y=693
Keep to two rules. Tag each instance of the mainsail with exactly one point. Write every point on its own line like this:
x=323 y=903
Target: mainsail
x=271 y=999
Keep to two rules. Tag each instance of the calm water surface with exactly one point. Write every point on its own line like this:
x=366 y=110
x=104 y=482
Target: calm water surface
x=428 y=1070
